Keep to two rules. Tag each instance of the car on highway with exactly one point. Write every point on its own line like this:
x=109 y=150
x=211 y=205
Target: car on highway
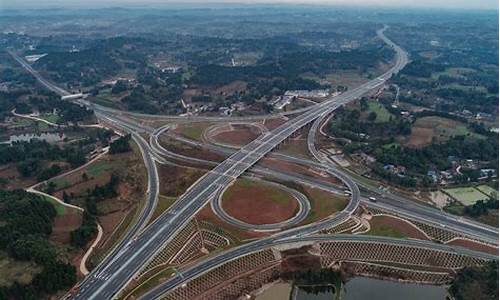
x=372 y=199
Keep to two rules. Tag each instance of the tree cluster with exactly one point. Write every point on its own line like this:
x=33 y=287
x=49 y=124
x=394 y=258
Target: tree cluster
x=121 y=145
x=29 y=156
x=26 y=224
x=478 y=282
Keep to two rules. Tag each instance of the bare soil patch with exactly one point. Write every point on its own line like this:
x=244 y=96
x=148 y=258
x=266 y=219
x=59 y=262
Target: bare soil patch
x=258 y=203
x=295 y=147
x=64 y=224
x=274 y=122
x=474 y=246
x=15 y=180
x=231 y=88
x=425 y=129
x=240 y=135
x=175 y=180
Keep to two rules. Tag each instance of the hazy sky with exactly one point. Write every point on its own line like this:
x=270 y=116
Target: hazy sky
x=460 y=4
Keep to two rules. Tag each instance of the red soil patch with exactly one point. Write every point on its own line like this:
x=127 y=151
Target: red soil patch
x=256 y=203
x=15 y=180
x=63 y=225
x=295 y=146
x=425 y=129
x=206 y=214
x=110 y=222
x=231 y=88
x=420 y=137
x=274 y=122
x=239 y=136
x=402 y=226
x=175 y=180
x=474 y=246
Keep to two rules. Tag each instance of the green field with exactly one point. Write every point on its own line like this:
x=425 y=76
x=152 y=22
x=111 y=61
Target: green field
x=105 y=102
x=53 y=118
x=23 y=122
x=323 y=204
x=488 y=190
x=193 y=132
x=383 y=115
x=384 y=230
x=164 y=203
x=466 y=195
x=61 y=183
x=100 y=166
x=60 y=209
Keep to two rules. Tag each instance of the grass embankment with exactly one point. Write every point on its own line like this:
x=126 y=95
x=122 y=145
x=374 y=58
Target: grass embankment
x=163 y=204
x=323 y=204
x=60 y=209
x=193 y=131
x=149 y=283
x=380 y=228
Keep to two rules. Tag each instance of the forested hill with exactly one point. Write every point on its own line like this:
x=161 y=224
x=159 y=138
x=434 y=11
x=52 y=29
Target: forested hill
x=25 y=224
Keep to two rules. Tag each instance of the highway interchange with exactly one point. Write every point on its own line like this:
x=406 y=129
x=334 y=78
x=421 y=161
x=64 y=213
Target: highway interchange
x=141 y=243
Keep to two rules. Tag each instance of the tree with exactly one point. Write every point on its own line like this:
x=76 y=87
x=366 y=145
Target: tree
x=81 y=236
x=120 y=86
x=479 y=282
x=65 y=197
x=121 y=145
x=363 y=103
x=372 y=116
x=51 y=188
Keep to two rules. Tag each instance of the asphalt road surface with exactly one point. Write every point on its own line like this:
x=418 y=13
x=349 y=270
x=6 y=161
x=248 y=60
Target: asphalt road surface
x=118 y=272
x=220 y=259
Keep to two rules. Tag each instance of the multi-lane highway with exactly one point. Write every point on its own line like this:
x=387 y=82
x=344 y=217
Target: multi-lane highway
x=140 y=220
x=222 y=258
x=132 y=254
x=152 y=191
x=388 y=201
x=121 y=270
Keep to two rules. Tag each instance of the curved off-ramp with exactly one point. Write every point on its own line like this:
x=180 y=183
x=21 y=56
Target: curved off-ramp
x=301 y=215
